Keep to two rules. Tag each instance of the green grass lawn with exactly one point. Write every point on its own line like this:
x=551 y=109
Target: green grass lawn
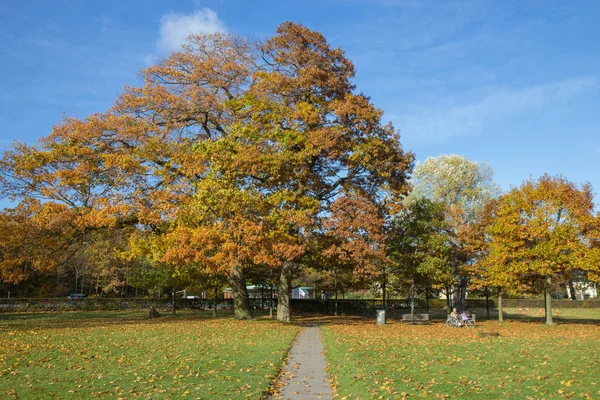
x=560 y=315
x=528 y=361
x=83 y=355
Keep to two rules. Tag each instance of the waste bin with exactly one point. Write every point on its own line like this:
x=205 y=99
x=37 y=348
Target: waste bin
x=380 y=317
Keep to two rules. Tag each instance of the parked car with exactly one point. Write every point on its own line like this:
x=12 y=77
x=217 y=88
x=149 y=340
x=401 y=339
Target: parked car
x=76 y=296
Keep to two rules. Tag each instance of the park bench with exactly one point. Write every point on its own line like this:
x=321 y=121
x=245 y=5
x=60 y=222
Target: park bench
x=415 y=319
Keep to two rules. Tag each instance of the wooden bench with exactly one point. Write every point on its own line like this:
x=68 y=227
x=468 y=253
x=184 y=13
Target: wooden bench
x=415 y=319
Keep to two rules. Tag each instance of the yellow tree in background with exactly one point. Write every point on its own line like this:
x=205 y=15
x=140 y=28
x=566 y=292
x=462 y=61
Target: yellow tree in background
x=541 y=232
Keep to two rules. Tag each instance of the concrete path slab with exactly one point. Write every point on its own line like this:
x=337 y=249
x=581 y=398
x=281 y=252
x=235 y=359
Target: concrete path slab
x=305 y=376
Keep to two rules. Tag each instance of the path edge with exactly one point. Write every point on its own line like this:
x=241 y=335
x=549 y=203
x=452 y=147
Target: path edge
x=274 y=389
x=333 y=382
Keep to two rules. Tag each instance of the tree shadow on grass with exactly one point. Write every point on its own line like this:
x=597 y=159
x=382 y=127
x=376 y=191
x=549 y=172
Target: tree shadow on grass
x=557 y=320
x=91 y=319
x=308 y=319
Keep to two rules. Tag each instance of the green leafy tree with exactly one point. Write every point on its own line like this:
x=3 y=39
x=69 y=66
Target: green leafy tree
x=464 y=187
x=420 y=245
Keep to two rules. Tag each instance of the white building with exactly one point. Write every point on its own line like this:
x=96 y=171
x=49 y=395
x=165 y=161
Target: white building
x=584 y=291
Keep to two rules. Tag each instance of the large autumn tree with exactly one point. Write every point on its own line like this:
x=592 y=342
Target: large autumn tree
x=541 y=232
x=226 y=157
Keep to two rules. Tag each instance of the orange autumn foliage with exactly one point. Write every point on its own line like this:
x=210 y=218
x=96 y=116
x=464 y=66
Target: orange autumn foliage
x=227 y=154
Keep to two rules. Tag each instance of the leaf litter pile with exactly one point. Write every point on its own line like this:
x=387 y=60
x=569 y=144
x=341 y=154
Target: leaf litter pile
x=527 y=361
x=165 y=358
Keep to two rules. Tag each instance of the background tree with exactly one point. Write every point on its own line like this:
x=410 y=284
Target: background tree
x=463 y=187
x=541 y=232
x=488 y=273
x=420 y=246
x=356 y=231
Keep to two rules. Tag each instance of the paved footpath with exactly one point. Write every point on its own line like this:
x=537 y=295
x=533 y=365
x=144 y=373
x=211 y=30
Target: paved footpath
x=305 y=376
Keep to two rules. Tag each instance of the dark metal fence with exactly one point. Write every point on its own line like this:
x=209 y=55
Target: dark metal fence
x=93 y=304
x=344 y=307
x=327 y=307
x=356 y=307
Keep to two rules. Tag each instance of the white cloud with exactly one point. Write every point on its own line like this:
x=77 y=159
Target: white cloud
x=466 y=119
x=174 y=28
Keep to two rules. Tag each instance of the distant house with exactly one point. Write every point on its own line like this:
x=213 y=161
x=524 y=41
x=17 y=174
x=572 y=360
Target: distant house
x=254 y=292
x=303 y=292
x=264 y=291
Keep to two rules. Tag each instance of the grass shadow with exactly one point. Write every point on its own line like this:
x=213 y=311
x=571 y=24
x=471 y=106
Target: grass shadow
x=91 y=319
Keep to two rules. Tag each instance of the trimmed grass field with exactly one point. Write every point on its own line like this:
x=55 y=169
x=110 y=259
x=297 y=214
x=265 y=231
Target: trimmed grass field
x=528 y=361
x=83 y=355
x=125 y=355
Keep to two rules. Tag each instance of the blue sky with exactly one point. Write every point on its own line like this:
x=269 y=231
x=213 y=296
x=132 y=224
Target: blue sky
x=512 y=83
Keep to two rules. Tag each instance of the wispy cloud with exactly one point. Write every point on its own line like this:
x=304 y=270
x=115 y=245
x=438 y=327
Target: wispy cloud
x=174 y=28
x=467 y=119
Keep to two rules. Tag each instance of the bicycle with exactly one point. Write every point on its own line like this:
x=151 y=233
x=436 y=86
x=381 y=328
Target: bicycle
x=458 y=321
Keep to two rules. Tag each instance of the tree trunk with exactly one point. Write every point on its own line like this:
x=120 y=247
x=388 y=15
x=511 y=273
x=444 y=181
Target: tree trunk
x=335 y=312
x=500 y=316
x=271 y=304
x=384 y=289
x=427 y=299
x=262 y=297
x=173 y=301
x=487 y=302
x=412 y=298
x=460 y=294
x=215 y=299
x=239 y=293
x=283 y=293
x=548 y=302
x=456 y=297
x=572 y=290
